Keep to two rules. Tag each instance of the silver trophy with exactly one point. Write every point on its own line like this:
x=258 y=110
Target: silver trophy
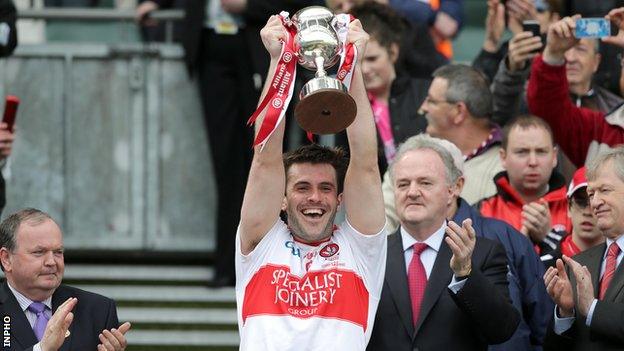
x=325 y=106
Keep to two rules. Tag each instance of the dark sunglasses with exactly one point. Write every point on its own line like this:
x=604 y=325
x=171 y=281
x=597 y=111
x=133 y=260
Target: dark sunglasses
x=581 y=201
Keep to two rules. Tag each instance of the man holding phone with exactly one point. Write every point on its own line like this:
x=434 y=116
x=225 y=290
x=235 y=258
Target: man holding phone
x=581 y=133
x=582 y=63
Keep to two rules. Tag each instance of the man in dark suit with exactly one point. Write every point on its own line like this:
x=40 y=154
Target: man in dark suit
x=222 y=45
x=588 y=290
x=444 y=288
x=39 y=313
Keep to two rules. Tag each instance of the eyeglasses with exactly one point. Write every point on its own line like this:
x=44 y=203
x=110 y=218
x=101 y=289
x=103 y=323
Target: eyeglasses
x=582 y=202
x=429 y=100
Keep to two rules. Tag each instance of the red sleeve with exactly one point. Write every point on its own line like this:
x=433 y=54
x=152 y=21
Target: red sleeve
x=574 y=128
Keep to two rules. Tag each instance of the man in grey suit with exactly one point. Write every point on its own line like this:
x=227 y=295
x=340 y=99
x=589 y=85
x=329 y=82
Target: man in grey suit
x=588 y=288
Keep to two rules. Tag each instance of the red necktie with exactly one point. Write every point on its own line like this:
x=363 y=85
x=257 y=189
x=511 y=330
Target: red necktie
x=612 y=254
x=417 y=280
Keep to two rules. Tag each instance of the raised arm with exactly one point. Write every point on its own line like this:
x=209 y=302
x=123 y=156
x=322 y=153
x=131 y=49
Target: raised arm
x=266 y=182
x=548 y=97
x=362 y=196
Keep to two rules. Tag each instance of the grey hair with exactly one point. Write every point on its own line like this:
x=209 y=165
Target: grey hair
x=466 y=84
x=595 y=44
x=616 y=155
x=448 y=152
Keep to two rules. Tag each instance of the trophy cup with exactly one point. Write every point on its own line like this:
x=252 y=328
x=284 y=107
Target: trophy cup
x=325 y=106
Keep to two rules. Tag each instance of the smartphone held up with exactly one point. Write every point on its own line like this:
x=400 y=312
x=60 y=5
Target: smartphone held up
x=592 y=28
x=533 y=27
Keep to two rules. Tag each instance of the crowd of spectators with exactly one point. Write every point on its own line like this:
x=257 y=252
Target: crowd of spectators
x=513 y=131
x=504 y=120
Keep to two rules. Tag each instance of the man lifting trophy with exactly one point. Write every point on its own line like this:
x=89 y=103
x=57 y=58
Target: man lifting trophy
x=317 y=39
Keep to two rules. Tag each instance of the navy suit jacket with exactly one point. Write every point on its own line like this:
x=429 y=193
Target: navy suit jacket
x=526 y=284
x=93 y=313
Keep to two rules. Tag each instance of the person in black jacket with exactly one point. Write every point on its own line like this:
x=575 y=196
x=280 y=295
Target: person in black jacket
x=223 y=49
x=40 y=313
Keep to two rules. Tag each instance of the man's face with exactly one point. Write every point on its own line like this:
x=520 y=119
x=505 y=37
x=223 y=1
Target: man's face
x=582 y=217
x=606 y=194
x=582 y=62
x=311 y=200
x=529 y=159
x=438 y=111
x=422 y=195
x=35 y=268
x=378 y=68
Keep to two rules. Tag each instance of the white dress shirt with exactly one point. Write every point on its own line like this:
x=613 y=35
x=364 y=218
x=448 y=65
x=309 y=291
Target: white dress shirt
x=24 y=302
x=428 y=256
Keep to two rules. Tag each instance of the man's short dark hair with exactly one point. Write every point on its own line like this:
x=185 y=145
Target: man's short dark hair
x=381 y=22
x=525 y=122
x=9 y=227
x=466 y=84
x=317 y=154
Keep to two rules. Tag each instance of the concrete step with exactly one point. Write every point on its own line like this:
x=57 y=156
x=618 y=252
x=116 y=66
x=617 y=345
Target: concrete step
x=170 y=306
x=153 y=315
x=156 y=293
x=139 y=273
x=183 y=338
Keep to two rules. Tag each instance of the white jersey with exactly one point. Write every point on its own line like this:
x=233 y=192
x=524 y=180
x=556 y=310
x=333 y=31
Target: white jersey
x=291 y=296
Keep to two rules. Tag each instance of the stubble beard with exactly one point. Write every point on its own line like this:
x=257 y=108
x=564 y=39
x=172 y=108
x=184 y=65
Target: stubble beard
x=297 y=229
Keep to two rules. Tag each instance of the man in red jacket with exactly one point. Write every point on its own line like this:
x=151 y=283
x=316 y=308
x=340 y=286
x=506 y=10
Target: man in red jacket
x=530 y=196
x=581 y=133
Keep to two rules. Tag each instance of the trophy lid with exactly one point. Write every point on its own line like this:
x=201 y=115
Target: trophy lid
x=313 y=13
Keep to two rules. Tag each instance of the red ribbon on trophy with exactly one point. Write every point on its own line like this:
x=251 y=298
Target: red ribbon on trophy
x=280 y=91
x=349 y=53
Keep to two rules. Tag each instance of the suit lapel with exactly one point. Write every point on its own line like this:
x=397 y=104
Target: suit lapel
x=594 y=260
x=60 y=296
x=439 y=279
x=21 y=331
x=396 y=279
